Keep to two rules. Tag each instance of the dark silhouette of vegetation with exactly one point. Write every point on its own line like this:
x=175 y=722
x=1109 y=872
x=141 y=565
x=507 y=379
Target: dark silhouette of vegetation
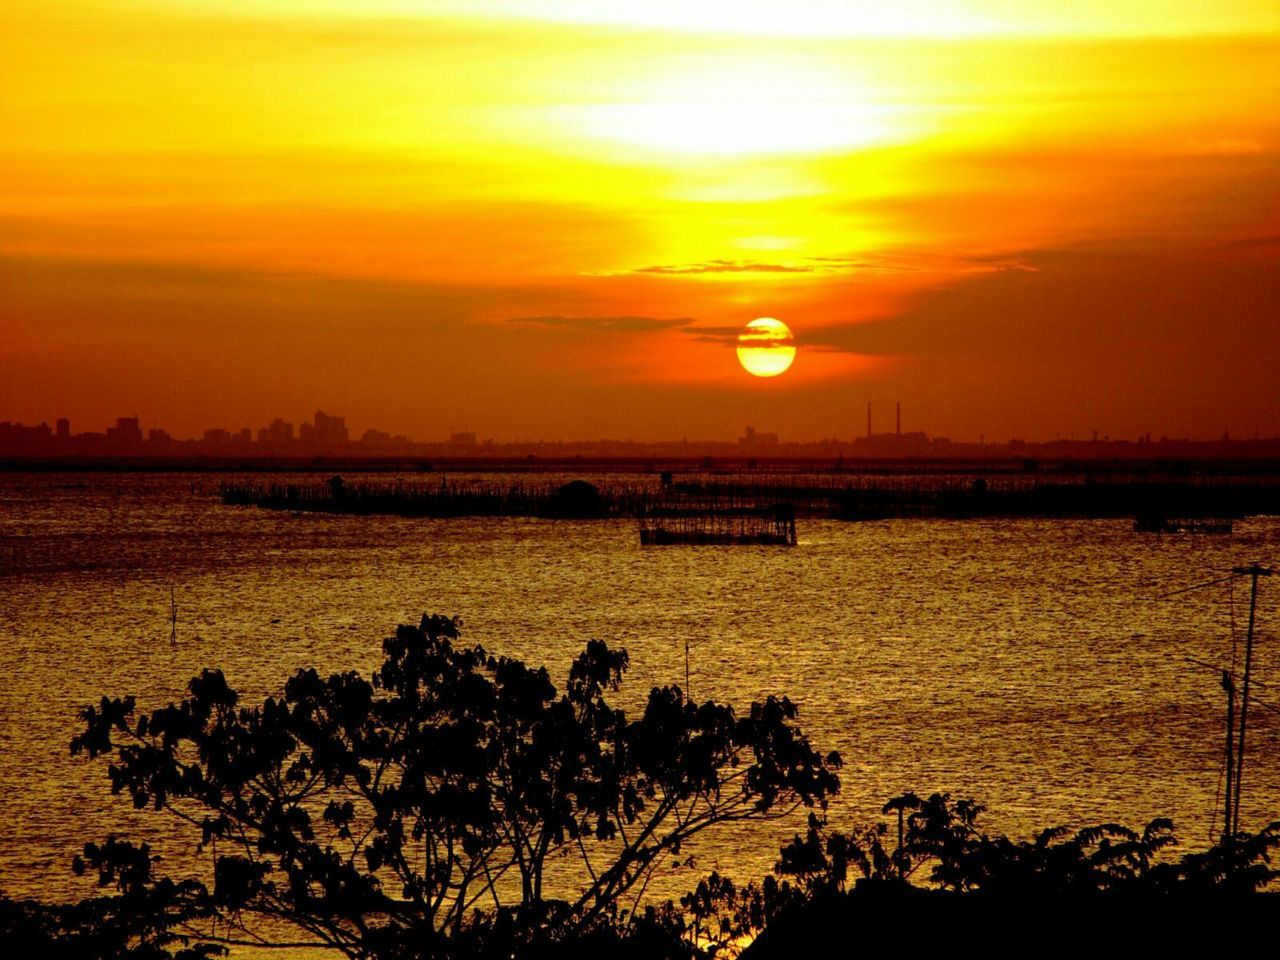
x=1177 y=501
x=941 y=852
x=577 y=500
x=421 y=813
x=141 y=922
x=457 y=805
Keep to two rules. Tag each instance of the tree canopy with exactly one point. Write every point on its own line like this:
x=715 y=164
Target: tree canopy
x=456 y=805
x=420 y=812
x=941 y=851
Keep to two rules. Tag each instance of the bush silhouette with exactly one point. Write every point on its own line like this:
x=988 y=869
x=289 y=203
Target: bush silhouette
x=423 y=813
x=417 y=813
x=943 y=863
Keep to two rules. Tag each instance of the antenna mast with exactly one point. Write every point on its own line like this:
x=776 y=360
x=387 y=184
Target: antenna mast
x=1254 y=572
x=1229 y=686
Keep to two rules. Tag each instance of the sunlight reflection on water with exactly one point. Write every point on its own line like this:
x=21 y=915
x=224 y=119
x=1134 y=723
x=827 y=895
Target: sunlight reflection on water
x=1024 y=663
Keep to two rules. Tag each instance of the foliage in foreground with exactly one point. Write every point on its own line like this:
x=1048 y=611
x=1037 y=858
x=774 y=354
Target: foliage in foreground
x=458 y=806
x=940 y=848
x=421 y=813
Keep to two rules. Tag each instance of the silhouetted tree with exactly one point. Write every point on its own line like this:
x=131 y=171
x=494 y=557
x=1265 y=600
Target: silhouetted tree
x=417 y=814
x=424 y=812
x=824 y=875
x=128 y=925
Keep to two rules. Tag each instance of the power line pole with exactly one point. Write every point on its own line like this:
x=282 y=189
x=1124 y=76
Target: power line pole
x=1254 y=572
x=1229 y=686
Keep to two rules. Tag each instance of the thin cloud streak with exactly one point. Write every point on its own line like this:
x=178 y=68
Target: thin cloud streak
x=808 y=265
x=621 y=324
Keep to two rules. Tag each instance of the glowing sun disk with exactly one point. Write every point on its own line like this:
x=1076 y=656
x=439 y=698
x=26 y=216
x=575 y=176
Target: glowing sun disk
x=766 y=347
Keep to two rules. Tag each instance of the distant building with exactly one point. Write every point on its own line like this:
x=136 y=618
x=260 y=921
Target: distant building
x=753 y=439
x=465 y=439
x=64 y=428
x=915 y=443
x=16 y=433
x=126 y=432
x=330 y=429
x=276 y=434
x=216 y=435
x=324 y=432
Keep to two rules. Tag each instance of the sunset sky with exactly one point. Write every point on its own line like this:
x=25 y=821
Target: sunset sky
x=550 y=218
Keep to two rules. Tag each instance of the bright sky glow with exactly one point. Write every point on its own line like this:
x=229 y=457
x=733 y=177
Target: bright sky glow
x=984 y=199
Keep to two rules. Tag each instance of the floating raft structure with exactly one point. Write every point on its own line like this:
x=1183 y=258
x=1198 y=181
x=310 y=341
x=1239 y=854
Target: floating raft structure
x=1207 y=525
x=714 y=521
x=443 y=498
x=825 y=497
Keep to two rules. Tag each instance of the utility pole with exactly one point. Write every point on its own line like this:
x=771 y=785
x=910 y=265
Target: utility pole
x=1254 y=572
x=1229 y=686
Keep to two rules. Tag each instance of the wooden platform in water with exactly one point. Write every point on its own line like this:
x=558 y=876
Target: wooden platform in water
x=1204 y=525
x=735 y=524
x=834 y=497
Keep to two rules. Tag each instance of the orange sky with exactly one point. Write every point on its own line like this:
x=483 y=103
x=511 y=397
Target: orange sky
x=548 y=218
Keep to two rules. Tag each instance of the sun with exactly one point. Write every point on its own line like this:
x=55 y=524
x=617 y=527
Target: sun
x=766 y=347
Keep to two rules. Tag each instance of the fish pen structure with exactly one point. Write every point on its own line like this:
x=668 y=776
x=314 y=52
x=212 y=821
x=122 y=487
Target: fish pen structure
x=923 y=496
x=718 y=521
x=1206 y=525
x=1205 y=502
x=576 y=500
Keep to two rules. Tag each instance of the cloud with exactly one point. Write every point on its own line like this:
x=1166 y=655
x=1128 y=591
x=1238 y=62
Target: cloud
x=1256 y=243
x=622 y=324
x=190 y=345
x=1131 y=302
x=714 y=334
x=885 y=262
x=735 y=335
x=806 y=265
x=723 y=266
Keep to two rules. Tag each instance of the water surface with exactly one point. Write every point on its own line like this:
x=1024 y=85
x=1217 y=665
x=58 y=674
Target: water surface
x=1022 y=662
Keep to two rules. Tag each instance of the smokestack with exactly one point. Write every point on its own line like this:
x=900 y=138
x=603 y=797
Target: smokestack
x=899 y=429
x=868 y=419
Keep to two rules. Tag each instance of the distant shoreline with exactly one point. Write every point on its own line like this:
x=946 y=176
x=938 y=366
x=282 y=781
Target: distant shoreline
x=1206 y=465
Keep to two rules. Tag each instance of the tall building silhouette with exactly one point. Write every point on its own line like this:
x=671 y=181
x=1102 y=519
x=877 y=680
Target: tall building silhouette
x=278 y=433
x=126 y=433
x=325 y=431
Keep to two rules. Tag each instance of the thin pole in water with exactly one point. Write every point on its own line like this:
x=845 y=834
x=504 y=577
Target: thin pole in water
x=1255 y=571
x=1229 y=686
x=173 y=618
x=686 y=671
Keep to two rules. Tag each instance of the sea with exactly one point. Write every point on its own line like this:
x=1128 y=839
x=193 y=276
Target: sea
x=1050 y=669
